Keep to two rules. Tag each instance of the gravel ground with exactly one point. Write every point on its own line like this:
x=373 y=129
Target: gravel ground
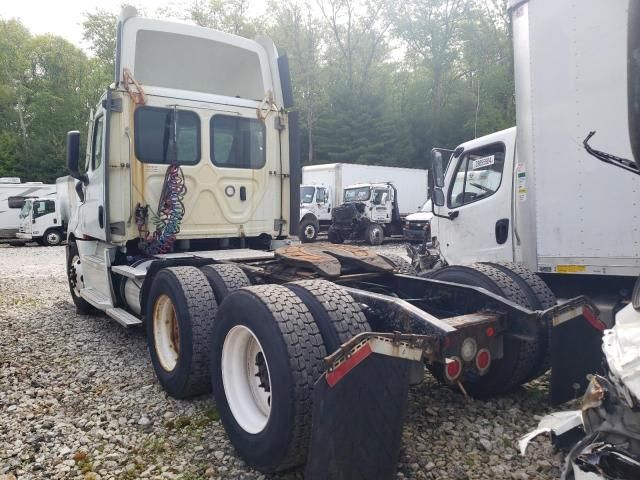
x=78 y=399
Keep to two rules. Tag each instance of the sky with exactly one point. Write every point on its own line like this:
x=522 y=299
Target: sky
x=64 y=17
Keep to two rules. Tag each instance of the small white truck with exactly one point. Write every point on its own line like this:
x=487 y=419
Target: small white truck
x=13 y=193
x=45 y=219
x=323 y=188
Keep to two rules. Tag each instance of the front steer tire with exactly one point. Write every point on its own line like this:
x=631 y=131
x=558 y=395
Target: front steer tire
x=293 y=351
x=75 y=280
x=308 y=231
x=187 y=291
x=519 y=355
x=375 y=234
x=338 y=317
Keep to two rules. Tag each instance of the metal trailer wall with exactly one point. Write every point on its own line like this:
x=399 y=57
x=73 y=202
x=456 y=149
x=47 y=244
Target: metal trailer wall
x=411 y=183
x=574 y=214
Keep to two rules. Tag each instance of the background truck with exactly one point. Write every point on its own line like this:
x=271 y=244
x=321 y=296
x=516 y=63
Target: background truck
x=533 y=196
x=328 y=182
x=12 y=195
x=181 y=225
x=45 y=220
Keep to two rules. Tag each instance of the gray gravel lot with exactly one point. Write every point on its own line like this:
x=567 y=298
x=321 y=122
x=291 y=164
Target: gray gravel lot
x=78 y=399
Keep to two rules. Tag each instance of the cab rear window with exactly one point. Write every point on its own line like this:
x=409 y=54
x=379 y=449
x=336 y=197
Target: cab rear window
x=237 y=142
x=153 y=127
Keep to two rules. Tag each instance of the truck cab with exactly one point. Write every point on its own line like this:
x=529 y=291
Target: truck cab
x=473 y=222
x=369 y=212
x=315 y=211
x=40 y=221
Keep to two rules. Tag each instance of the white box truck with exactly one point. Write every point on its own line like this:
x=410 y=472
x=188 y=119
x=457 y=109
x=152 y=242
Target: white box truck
x=13 y=193
x=45 y=219
x=532 y=196
x=323 y=189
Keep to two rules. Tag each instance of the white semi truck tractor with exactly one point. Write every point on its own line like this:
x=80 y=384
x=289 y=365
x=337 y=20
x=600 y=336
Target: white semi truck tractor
x=181 y=225
x=532 y=196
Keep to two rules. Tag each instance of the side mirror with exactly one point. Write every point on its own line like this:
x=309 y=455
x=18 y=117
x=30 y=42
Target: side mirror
x=73 y=156
x=438 y=197
x=437 y=167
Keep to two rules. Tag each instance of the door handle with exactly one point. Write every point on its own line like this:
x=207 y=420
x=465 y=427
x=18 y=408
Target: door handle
x=243 y=193
x=101 y=216
x=502 y=231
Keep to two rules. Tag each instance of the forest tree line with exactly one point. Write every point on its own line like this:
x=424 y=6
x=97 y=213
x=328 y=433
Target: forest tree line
x=375 y=81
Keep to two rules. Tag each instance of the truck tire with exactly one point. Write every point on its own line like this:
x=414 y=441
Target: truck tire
x=519 y=356
x=224 y=278
x=308 y=231
x=52 y=237
x=76 y=280
x=335 y=236
x=266 y=342
x=375 y=234
x=179 y=317
x=540 y=298
x=402 y=265
x=338 y=317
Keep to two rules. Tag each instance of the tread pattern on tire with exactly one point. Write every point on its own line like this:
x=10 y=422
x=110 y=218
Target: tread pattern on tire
x=526 y=351
x=402 y=265
x=544 y=298
x=306 y=355
x=344 y=313
x=232 y=276
x=202 y=308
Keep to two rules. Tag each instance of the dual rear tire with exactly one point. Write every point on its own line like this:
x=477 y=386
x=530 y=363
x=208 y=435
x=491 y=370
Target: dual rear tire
x=523 y=359
x=268 y=347
x=260 y=352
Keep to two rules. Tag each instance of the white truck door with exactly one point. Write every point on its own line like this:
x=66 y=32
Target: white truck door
x=323 y=204
x=478 y=202
x=381 y=200
x=92 y=211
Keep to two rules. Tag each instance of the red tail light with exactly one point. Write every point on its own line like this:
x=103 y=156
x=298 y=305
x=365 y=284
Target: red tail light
x=453 y=368
x=483 y=360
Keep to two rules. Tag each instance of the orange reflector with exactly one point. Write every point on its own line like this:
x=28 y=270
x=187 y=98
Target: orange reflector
x=453 y=368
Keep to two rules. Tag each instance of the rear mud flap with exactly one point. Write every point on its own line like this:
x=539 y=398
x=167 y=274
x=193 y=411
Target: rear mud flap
x=576 y=351
x=358 y=415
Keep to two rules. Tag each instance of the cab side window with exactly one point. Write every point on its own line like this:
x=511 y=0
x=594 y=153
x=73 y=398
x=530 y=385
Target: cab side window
x=478 y=175
x=98 y=136
x=321 y=195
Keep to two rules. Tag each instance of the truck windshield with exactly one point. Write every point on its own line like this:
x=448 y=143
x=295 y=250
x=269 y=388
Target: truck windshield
x=360 y=194
x=26 y=209
x=306 y=194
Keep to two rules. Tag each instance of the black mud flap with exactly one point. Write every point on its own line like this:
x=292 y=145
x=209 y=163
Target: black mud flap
x=576 y=351
x=358 y=415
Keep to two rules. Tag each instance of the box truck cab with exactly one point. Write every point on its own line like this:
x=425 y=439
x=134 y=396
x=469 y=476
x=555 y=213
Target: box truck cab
x=40 y=221
x=316 y=202
x=369 y=212
x=13 y=194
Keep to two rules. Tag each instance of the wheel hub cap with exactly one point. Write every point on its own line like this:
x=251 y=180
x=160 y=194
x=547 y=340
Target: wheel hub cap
x=166 y=333
x=246 y=379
